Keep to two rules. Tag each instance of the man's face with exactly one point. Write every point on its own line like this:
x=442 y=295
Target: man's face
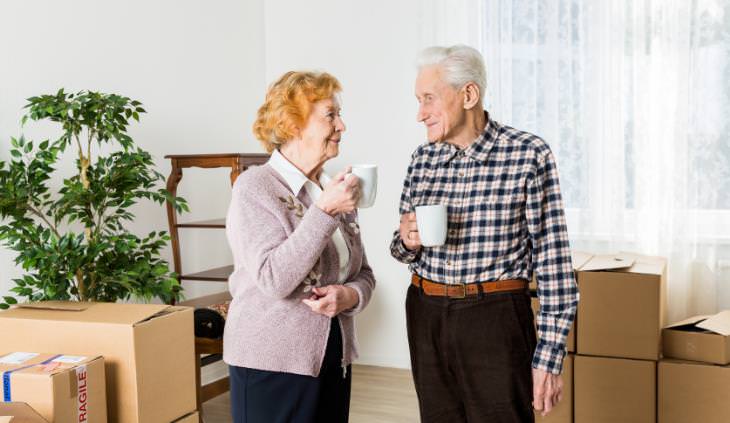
x=440 y=106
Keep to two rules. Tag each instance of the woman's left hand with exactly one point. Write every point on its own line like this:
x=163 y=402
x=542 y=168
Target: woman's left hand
x=331 y=300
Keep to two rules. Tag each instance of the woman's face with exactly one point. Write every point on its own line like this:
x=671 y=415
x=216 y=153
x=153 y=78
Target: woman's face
x=323 y=131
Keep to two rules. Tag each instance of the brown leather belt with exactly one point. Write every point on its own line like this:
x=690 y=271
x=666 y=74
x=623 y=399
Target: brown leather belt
x=468 y=289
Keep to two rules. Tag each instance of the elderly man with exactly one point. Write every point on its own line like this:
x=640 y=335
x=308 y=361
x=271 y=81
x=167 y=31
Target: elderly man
x=474 y=353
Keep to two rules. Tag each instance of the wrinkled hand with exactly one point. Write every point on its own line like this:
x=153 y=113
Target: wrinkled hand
x=409 y=231
x=547 y=391
x=341 y=194
x=331 y=300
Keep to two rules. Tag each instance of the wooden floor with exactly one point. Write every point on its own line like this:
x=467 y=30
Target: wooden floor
x=379 y=394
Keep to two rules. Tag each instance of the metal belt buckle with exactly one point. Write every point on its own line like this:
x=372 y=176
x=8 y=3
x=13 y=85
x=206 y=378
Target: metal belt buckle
x=463 y=291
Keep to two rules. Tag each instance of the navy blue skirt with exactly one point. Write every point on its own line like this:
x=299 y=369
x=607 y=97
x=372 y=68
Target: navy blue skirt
x=260 y=396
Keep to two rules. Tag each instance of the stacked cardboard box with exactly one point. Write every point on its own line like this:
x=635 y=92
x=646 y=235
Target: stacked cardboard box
x=697 y=390
x=699 y=338
x=148 y=350
x=614 y=390
x=616 y=336
x=620 y=316
x=619 y=374
x=61 y=388
x=19 y=412
x=691 y=391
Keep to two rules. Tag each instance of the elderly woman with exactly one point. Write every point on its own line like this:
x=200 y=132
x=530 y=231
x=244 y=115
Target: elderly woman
x=300 y=270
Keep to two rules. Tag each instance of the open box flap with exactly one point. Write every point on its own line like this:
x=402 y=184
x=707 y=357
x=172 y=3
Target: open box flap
x=719 y=323
x=579 y=258
x=607 y=262
x=57 y=305
x=128 y=314
x=690 y=321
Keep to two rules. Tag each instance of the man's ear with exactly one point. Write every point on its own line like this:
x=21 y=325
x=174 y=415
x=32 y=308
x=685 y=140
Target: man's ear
x=471 y=95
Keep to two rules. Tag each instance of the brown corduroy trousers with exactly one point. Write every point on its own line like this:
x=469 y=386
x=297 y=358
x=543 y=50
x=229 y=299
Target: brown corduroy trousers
x=472 y=358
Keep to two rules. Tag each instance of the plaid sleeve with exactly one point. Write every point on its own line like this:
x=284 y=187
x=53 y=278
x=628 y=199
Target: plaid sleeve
x=397 y=249
x=556 y=285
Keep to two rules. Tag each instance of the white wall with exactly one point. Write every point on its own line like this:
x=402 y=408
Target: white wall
x=201 y=69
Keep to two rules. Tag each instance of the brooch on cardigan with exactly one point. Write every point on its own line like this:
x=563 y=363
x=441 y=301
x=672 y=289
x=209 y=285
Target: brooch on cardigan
x=312 y=280
x=354 y=227
x=293 y=204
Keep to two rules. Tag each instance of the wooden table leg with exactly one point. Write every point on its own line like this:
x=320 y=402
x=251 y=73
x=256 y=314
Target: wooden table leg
x=198 y=390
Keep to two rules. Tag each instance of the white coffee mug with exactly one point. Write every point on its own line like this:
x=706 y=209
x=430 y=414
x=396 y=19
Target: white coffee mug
x=432 y=224
x=368 y=175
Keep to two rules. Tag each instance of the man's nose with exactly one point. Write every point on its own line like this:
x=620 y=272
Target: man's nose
x=421 y=115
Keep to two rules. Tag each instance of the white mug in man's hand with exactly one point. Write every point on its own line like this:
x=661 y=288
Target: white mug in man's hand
x=432 y=224
x=368 y=175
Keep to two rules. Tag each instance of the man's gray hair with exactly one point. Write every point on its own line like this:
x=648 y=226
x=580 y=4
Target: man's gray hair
x=461 y=64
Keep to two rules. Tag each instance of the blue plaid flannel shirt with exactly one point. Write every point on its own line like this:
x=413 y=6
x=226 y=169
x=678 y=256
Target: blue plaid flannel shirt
x=506 y=219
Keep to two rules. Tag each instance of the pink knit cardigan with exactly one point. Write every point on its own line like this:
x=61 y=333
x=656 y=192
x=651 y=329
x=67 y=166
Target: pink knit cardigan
x=282 y=247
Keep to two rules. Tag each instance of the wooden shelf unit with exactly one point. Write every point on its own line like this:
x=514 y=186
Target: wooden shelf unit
x=211 y=348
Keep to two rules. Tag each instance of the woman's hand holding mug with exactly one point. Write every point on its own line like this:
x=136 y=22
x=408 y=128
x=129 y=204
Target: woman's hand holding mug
x=341 y=194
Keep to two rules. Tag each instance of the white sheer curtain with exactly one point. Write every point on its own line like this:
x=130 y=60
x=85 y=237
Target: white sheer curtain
x=634 y=98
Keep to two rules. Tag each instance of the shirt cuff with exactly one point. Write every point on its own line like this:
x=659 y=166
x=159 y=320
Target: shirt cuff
x=400 y=251
x=549 y=358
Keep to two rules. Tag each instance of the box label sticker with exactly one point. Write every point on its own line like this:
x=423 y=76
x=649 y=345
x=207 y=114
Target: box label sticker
x=82 y=395
x=17 y=357
x=71 y=359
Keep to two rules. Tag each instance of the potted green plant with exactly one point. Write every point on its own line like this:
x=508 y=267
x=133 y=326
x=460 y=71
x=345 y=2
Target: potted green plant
x=71 y=241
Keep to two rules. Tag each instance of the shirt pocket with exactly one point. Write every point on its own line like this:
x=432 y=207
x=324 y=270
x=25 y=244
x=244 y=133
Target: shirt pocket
x=502 y=203
x=506 y=203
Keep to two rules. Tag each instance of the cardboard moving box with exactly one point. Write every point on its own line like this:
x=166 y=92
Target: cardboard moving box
x=61 y=388
x=693 y=392
x=699 y=338
x=613 y=390
x=622 y=306
x=570 y=342
x=148 y=349
x=19 y=412
x=563 y=412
